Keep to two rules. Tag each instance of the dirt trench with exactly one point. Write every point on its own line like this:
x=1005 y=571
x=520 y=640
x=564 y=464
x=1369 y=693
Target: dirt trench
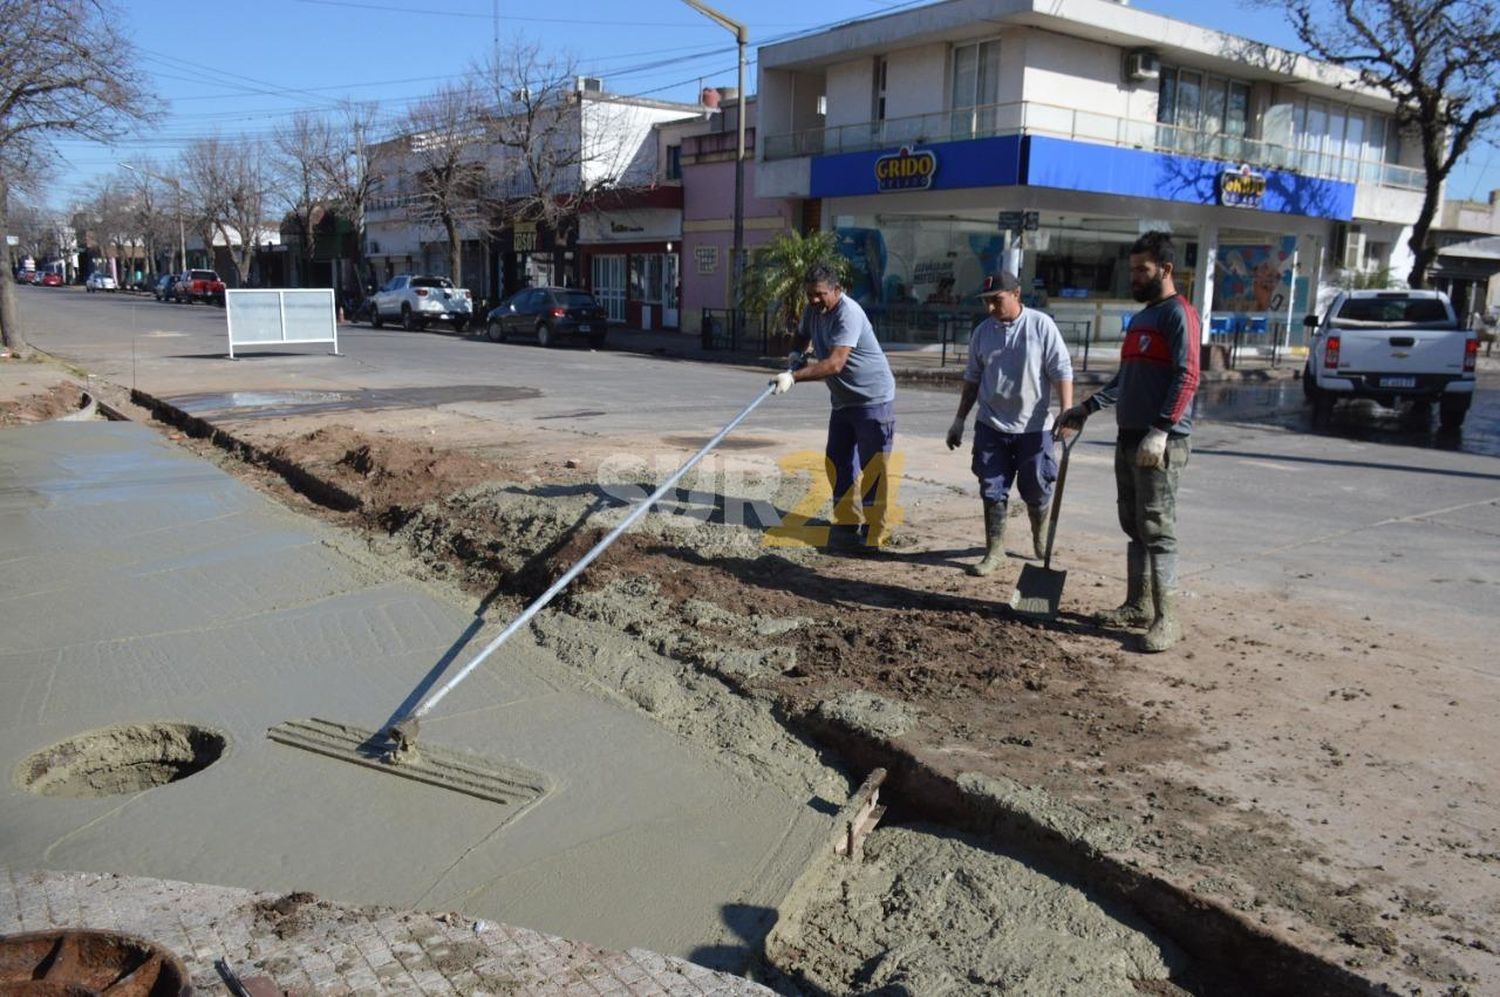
x=862 y=655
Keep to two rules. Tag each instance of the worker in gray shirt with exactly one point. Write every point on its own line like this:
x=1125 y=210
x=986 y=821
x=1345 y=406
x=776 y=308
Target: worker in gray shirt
x=862 y=426
x=1016 y=358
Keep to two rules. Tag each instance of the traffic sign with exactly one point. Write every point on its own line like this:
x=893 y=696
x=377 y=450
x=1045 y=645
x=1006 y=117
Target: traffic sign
x=1011 y=221
x=1031 y=221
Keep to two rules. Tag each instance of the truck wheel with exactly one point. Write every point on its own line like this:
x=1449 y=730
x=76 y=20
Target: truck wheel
x=375 y=320
x=460 y=324
x=408 y=321
x=1451 y=411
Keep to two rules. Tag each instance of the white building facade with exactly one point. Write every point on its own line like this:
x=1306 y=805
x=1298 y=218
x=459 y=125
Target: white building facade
x=1045 y=135
x=599 y=142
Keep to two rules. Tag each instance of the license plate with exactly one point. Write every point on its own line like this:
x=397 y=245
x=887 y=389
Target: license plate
x=585 y=328
x=1398 y=382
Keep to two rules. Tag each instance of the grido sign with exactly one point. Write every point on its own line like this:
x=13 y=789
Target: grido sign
x=906 y=170
x=1241 y=188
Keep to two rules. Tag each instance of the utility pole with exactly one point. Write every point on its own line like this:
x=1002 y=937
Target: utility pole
x=742 y=36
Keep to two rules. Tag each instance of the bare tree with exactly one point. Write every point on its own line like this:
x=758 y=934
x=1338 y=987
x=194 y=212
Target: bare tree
x=302 y=151
x=65 y=69
x=151 y=210
x=1438 y=59
x=230 y=184
x=555 y=147
x=445 y=145
x=349 y=175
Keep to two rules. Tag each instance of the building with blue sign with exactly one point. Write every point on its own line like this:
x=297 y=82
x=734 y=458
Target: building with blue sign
x=945 y=141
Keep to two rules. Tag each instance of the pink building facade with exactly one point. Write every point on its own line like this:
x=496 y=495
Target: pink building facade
x=708 y=214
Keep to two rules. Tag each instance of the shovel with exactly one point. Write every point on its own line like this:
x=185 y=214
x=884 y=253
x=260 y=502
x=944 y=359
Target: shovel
x=1039 y=590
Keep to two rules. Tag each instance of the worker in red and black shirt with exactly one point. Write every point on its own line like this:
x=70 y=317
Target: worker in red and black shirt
x=1152 y=394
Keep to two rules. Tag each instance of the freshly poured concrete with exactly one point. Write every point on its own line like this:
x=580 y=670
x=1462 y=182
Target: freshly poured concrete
x=139 y=584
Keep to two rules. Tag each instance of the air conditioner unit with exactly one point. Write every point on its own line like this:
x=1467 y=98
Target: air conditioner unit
x=592 y=84
x=1142 y=65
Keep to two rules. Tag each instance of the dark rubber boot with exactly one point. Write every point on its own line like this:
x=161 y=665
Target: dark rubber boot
x=1038 y=516
x=994 y=540
x=1165 y=630
x=1137 y=610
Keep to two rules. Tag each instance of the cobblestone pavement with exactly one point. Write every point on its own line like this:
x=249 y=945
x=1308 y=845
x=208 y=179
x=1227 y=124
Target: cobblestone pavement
x=306 y=945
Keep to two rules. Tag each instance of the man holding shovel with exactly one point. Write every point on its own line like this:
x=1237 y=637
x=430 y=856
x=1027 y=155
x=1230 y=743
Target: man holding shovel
x=1152 y=394
x=862 y=427
x=1016 y=357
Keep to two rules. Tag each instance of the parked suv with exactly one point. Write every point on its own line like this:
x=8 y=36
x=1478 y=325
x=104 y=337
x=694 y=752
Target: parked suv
x=416 y=300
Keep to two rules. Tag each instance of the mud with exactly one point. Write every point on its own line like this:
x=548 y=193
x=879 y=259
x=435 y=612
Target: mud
x=55 y=401
x=932 y=912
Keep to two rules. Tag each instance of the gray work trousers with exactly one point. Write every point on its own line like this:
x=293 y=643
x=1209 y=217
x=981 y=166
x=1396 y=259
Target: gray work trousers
x=1147 y=496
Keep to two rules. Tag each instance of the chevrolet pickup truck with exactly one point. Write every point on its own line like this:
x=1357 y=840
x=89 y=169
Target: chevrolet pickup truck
x=1391 y=346
x=199 y=285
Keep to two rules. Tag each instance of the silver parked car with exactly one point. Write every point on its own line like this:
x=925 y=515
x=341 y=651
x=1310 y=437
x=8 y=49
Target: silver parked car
x=417 y=300
x=99 y=281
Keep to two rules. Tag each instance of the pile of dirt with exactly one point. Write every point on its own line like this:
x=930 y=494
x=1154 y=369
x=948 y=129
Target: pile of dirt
x=58 y=400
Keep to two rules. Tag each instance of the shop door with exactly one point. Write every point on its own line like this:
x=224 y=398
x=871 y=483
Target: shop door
x=609 y=285
x=669 y=318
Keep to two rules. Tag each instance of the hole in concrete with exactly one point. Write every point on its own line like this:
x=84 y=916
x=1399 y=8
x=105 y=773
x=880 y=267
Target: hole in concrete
x=119 y=760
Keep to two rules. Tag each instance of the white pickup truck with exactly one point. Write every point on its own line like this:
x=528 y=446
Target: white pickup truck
x=1389 y=346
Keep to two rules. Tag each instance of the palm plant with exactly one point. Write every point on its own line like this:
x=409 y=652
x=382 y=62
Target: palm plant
x=773 y=279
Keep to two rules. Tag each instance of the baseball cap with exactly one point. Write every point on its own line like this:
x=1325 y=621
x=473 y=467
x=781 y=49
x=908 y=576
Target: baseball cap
x=999 y=281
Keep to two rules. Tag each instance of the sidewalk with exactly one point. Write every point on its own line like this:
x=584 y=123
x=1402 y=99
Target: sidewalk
x=301 y=944
x=928 y=364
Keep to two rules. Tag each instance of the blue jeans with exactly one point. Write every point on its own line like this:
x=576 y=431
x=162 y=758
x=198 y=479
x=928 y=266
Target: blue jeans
x=855 y=436
x=1027 y=459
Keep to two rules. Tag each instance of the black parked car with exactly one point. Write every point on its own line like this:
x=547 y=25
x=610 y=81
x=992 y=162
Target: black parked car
x=551 y=314
x=162 y=289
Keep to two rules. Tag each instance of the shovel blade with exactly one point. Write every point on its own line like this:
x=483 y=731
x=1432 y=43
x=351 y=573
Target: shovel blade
x=1038 y=592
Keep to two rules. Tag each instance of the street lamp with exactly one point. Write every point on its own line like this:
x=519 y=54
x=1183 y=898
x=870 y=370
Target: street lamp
x=742 y=36
x=181 y=230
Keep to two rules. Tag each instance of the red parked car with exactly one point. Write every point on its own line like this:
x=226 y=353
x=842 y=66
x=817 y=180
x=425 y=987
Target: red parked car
x=52 y=279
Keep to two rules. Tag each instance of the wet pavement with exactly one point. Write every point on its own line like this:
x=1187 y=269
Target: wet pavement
x=1280 y=404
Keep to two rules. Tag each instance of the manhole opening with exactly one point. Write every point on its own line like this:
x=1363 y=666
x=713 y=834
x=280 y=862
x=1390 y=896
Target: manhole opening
x=119 y=760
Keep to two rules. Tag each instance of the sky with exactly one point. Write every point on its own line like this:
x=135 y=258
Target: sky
x=246 y=68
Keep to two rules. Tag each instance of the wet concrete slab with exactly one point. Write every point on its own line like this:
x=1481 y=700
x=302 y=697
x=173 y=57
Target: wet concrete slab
x=141 y=584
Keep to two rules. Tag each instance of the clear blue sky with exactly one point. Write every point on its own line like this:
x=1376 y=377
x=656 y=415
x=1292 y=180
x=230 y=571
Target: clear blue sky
x=244 y=68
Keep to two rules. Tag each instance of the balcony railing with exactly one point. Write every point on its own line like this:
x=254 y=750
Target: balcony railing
x=1032 y=118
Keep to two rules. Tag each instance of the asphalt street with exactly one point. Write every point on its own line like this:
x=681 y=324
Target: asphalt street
x=1372 y=511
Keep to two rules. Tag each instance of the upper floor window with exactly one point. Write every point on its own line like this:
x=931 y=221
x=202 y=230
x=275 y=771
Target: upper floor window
x=976 y=74
x=975 y=89
x=674 y=162
x=1198 y=102
x=881 y=66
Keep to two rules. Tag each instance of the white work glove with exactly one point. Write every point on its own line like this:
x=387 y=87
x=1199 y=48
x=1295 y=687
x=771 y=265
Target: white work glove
x=956 y=434
x=783 y=382
x=1072 y=418
x=1153 y=449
